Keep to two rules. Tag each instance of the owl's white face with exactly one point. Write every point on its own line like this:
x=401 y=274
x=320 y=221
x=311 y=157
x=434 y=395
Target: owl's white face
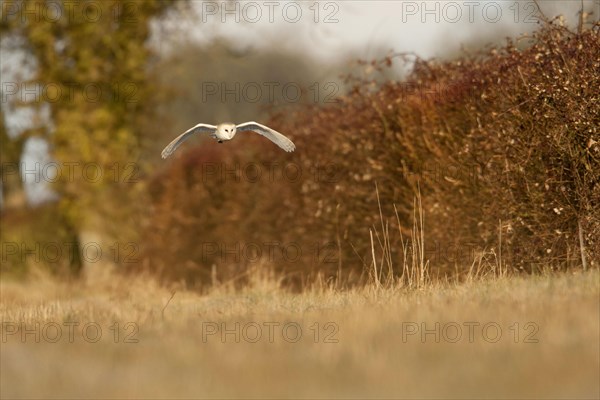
x=225 y=131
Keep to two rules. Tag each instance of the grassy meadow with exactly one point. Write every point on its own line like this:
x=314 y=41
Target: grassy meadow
x=500 y=337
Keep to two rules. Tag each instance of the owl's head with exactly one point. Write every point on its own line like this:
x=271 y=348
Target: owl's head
x=226 y=130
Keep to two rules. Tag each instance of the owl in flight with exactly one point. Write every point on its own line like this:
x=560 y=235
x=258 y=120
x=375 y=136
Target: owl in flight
x=226 y=131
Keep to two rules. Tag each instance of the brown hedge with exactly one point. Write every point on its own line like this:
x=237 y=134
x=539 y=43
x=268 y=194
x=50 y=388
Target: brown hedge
x=503 y=146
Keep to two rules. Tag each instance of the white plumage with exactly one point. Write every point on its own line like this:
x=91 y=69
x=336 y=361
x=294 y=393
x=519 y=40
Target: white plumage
x=226 y=131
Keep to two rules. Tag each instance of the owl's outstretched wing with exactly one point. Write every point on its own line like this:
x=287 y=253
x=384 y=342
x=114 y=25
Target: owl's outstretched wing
x=200 y=128
x=271 y=134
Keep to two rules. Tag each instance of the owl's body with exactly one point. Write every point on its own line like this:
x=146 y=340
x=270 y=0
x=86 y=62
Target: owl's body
x=226 y=131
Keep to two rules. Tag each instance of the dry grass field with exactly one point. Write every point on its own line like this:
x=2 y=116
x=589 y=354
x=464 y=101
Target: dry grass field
x=511 y=337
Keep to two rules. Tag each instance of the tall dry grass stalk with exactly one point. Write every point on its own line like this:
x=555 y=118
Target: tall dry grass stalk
x=414 y=270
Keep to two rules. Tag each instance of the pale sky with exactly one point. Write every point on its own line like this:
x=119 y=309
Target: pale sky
x=329 y=29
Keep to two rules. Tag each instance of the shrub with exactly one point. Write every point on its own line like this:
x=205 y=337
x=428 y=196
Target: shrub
x=503 y=146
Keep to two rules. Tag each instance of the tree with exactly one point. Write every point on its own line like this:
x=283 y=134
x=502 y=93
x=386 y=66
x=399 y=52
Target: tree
x=91 y=69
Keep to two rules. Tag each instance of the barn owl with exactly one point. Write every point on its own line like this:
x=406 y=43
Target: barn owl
x=226 y=131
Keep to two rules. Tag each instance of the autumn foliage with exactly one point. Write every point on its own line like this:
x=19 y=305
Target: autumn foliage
x=503 y=147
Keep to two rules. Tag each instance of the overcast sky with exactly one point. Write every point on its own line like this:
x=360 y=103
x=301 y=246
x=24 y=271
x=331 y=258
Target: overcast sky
x=329 y=29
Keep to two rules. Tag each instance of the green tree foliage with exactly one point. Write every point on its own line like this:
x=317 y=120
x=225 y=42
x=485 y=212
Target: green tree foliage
x=91 y=68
